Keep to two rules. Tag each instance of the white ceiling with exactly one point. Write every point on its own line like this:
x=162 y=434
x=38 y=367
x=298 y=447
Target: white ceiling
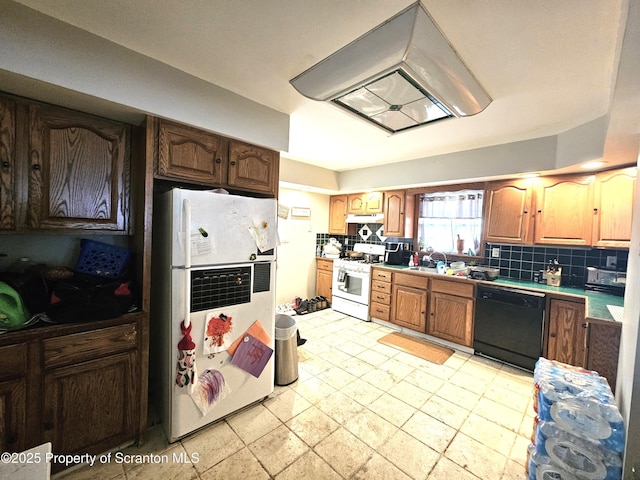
x=549 y=65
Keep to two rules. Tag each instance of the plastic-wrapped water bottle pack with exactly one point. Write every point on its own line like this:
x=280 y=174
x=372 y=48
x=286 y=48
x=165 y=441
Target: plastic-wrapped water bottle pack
x=579 y=432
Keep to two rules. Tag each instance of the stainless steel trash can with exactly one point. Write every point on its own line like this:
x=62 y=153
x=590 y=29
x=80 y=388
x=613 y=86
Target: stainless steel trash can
x=286 y=350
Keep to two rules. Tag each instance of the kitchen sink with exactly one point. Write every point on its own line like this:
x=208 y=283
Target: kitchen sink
x=423 y=269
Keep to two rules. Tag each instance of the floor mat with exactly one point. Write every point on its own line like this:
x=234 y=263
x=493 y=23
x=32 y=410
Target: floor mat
x=418 y=347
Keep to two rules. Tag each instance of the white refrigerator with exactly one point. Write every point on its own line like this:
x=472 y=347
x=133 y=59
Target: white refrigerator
x=213 y=306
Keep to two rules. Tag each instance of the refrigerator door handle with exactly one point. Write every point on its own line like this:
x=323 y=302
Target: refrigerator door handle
x=186 y=220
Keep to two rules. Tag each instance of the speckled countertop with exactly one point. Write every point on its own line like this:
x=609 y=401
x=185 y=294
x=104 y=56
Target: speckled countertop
x=596 y=303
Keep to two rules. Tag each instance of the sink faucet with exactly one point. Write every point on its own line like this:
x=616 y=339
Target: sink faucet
x=429 y=256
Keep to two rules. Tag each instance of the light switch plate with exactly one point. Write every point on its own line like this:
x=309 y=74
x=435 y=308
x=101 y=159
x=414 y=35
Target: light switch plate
x=611 y=261
x=495 y=252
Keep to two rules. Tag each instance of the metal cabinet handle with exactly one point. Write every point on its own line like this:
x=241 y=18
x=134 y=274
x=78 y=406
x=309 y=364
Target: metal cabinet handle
x=36 y=166
x=218 y=160
x=233 y=163
x=5 y=164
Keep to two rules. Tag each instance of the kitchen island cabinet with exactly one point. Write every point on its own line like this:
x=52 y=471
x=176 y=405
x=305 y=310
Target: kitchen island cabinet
x=324 y=278
x=451 y=311
x=409 y=301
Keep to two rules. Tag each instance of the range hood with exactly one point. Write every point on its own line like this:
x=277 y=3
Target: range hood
x=400 y=75
x=372 y=218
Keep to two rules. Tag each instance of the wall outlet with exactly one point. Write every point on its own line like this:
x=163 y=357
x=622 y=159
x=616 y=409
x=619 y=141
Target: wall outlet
x=495 y=252
x=612 y=261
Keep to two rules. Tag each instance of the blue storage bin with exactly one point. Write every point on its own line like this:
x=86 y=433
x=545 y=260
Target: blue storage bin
x=102 y=259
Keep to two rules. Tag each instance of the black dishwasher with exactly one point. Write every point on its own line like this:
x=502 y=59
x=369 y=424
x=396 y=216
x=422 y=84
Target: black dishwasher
x=508 y=325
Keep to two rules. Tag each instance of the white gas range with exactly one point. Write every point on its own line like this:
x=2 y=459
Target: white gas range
x=351 y=281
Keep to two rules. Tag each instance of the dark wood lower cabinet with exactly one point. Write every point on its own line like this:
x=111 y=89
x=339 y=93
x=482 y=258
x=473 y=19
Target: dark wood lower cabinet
x=95 y=399
x=603 y=347
x=13 y=395
x=76 y=386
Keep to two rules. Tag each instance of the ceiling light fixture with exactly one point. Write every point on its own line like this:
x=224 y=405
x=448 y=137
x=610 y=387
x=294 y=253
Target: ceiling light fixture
x=400 y=75
x=592 y=165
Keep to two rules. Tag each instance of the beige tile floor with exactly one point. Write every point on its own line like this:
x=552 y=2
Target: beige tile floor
x=359 y=410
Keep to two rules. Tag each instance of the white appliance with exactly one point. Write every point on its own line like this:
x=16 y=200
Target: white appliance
x=352 y=279
x=222 y=270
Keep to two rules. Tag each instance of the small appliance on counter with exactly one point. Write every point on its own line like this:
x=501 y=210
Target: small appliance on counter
x=606 y=281
x=483 y=273
x=332 y=248
x=397 y=253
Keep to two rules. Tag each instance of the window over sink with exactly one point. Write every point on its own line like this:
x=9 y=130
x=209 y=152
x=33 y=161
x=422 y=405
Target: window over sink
x=450 y=222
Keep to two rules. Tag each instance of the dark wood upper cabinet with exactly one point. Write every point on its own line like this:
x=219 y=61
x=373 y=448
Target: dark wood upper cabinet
x=253 y=168
x=7 y=163
x=190 y=154
x=79 y=171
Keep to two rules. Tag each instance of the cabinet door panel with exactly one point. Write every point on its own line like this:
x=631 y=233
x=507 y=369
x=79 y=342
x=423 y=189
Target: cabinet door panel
x=79 y=171
x=13 y=407
x=323 y=284
x=338 y=214
x=567 y=332
x=409 y=308
x=451 y=318
x=394 y=213
x=90 y=406
x=253 y=168
x=357 y=203
x=603 y=350
x=190 y=154
x=564 y=212
x=374 y=202
x=509 y=212
x=614 y=198
x=7 y=164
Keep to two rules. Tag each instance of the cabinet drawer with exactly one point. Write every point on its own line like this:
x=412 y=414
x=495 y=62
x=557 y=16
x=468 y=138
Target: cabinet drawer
x=88 y=345
x=325 y=264
x=13 y=361
x=378 y=286
x=382 y=275
x=453 y=288
x=380 y=311
x=380 y=297
x=409 y=280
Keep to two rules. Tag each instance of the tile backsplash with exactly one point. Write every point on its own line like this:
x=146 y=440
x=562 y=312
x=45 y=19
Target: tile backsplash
x=367 y=233
x=514 y=261
x=521 y=262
